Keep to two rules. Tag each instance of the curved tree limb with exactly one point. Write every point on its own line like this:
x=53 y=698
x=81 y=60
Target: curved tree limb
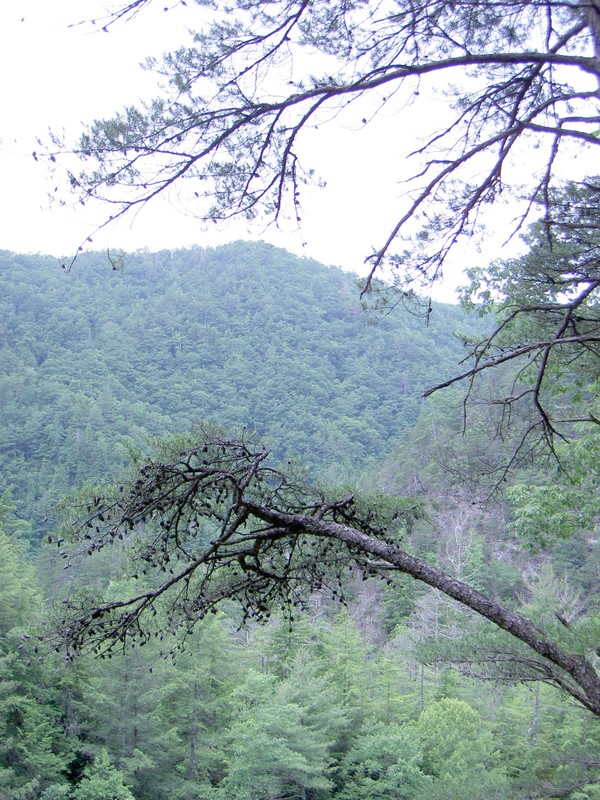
x=271 y=542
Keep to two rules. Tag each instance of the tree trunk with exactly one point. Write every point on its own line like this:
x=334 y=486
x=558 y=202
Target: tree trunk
x=584 y=685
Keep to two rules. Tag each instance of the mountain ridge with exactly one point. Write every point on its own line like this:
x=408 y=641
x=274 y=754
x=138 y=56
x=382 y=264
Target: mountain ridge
x=243 y=335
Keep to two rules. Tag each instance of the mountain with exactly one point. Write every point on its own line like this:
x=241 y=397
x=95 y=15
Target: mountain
x=246 y=335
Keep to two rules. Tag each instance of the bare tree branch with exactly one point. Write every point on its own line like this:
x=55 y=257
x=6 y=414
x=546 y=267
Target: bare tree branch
x=230 y=125
x=222 y=524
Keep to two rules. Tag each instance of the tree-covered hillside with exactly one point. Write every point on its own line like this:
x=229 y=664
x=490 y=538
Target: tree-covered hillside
x=378 y=697
x=244 y=335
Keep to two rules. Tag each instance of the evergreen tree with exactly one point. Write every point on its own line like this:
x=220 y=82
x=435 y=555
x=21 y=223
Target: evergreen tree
x=274 y=750
x=102 y=781
x=33 y=748
x=384 y=762
x=459 y=754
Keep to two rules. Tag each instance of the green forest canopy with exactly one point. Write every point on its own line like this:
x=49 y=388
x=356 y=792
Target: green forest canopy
x=244 y=335
x=525 y=64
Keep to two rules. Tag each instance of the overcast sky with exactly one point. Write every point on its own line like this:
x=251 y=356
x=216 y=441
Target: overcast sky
x=58 y=74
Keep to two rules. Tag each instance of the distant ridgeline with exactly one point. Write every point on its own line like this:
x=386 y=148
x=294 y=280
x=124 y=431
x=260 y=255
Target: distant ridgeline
x=244 y=335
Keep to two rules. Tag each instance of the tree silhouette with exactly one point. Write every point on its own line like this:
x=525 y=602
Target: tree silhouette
x=240 y=99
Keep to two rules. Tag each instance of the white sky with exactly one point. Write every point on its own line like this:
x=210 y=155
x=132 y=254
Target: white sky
x=56 y=76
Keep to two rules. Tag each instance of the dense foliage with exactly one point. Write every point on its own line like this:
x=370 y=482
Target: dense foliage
x=245 y=335
x=333 y=707
x=361 y=703
x=380 y=698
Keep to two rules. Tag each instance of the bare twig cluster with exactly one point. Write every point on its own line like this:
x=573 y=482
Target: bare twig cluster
x=521 y=74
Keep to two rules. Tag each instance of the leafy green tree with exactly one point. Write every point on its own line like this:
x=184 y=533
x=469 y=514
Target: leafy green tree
x=102 y=781
x=20 y=597
x=344 y=653
x=281 y=646
x=57 y=792
x=123 y=697
x=545 y=745
x=33 y=747
x=454 y=737
x=459 y=753
x=314 y=688
x=558 y=504
x=196 y=707
x=275 y=752
x=395 y=695
x=385 y=761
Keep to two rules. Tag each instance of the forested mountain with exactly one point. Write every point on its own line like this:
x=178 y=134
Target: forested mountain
x=257 y=633
x=385 y=689
x=245 y=335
